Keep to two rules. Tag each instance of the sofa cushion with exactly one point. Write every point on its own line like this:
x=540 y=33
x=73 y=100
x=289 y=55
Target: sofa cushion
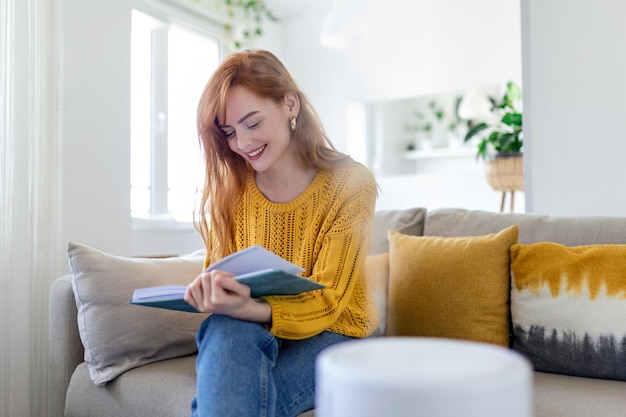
x=118 y=336
x=159 y=389
x=407 y=221
x=568 y=307
x=569 y=396
x=456 y=287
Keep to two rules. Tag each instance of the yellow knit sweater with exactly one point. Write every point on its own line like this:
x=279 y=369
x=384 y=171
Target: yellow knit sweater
x=327 y=231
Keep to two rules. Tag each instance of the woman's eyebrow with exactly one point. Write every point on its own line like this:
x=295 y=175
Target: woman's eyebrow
x=243 y=119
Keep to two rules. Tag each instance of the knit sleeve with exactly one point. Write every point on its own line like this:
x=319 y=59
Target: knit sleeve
x=339 y=265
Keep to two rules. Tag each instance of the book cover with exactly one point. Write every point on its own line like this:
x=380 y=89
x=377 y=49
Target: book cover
x=263 y=271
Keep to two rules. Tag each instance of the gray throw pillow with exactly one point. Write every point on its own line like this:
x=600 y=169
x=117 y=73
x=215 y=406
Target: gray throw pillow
x=406 y=221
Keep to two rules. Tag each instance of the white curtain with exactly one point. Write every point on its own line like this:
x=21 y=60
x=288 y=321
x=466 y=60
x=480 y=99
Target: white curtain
x=29 y=200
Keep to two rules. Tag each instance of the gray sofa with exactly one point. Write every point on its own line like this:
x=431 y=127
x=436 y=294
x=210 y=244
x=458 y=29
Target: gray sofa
x=166 y=387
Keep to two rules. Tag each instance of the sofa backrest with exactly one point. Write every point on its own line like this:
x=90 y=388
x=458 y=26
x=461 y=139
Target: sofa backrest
x=407 y=221
x=569 y=231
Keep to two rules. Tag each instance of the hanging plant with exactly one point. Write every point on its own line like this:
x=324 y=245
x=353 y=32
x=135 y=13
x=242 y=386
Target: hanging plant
x=244 y=20
x=251 y=15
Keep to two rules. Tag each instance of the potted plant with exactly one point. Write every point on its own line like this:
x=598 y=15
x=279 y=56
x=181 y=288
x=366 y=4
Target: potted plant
x=501 y=143
x=505 y=137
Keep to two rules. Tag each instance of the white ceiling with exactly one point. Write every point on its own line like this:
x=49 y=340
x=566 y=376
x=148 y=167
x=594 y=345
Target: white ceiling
x=287 y=8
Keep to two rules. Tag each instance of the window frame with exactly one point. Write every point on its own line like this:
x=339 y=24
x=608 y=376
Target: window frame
x=192 y=17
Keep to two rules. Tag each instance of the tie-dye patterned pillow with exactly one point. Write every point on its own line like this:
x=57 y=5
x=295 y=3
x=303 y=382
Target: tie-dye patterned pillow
x=568 y=307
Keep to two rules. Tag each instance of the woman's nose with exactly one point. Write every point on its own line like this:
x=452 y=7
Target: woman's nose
x=243 y=139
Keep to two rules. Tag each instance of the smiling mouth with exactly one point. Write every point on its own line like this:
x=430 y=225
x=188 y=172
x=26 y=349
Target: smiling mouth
x=257 y=152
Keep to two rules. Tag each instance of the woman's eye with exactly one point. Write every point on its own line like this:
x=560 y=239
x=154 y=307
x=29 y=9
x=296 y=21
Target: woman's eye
x=254 y=125
x=229 y=135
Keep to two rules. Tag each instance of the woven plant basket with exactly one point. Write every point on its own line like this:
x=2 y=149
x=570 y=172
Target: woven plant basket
x=506 y=173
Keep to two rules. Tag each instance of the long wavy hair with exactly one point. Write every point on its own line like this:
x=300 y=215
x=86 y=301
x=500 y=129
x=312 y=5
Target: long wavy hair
x=264 y=75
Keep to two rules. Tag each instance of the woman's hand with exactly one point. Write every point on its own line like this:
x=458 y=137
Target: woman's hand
x=217 y=292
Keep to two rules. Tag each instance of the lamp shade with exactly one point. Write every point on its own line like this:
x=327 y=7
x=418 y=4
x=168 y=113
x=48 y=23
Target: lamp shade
x=475 y=105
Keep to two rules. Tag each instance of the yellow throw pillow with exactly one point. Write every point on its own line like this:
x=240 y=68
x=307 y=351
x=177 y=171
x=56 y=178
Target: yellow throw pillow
x=453 y=287
x=568 y=306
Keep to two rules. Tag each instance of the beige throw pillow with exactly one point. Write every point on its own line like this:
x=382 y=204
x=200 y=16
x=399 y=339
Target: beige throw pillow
x=118 y=336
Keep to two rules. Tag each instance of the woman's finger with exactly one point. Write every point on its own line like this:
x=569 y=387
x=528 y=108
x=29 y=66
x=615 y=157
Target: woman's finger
x=197 y=291
x=219 y=295
x=233 y=286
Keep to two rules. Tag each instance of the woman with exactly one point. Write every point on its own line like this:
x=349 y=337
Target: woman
x=273 y=179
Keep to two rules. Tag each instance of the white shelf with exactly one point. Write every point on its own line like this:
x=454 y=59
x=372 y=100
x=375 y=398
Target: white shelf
x=441 y=153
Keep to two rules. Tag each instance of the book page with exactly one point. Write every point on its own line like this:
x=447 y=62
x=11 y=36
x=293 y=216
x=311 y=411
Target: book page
x=252 y=259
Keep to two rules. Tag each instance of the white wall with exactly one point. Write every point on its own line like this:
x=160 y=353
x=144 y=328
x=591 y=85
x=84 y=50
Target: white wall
x=95 y=111
x=414 y=48
x=574 y=77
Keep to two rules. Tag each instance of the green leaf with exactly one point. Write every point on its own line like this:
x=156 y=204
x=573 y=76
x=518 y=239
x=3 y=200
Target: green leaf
x=482 y=150
x=515 y=147
x=494 y=139
x=271 y=16
x=512 y=119
x=514 y=91
x=512 y=96
x=475 y=130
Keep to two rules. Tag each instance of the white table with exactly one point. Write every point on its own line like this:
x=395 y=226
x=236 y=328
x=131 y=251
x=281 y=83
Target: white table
x=426 y=377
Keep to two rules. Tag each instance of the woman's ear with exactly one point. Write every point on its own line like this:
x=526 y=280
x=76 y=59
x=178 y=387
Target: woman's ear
x=292 y=103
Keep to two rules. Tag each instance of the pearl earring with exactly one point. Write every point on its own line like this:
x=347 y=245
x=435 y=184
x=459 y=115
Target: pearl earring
x=293 y=124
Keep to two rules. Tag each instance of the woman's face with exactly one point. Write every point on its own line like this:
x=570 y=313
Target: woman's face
x=258 y=128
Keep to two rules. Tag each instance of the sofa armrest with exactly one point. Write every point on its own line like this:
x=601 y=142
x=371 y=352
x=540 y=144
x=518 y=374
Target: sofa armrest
x=64 y=344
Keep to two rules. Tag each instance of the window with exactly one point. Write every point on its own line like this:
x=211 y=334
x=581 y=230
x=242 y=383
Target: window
x=170 y=65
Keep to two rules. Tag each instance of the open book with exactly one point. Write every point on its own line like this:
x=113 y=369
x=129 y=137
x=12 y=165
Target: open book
x=263 y=271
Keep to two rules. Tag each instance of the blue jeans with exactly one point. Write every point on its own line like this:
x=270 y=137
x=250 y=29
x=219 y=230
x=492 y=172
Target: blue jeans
x=244 y=370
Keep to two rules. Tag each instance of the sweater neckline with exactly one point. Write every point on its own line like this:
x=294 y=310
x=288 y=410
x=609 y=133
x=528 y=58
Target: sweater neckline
x=303 y=196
